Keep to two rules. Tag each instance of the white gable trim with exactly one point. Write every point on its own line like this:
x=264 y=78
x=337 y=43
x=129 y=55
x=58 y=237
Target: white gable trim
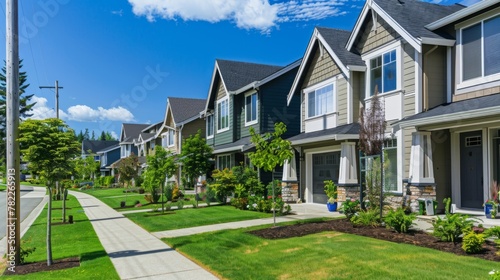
x=414 y=42
x=461 y=14
x=316 y=37
x=212 y=84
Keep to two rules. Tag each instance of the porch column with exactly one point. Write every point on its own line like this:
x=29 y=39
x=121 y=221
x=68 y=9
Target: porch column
x=421 y=167
x=289 y=183
x=348 y=173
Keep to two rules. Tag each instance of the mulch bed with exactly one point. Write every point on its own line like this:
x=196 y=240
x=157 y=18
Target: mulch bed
x=417 y=238
x=42 y=266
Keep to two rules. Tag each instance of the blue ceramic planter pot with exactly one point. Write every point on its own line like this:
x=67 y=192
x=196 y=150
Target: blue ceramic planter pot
x=332 y=207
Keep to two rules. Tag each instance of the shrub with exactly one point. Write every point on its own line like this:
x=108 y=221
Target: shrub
x=399 y=221
x=169 y=191
x=209 y=195
x=25 y=252
x=473 y=242
x=350 y=207
x=224 y=183
x=180 y=204
x=122 y=204
x=168 y=206
x=366 y=218
x=451 y=227
x=240 y=203
x=492 y=232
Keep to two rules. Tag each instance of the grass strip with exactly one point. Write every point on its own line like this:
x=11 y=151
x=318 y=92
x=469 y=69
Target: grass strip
x=68 y=240
x=193 y=217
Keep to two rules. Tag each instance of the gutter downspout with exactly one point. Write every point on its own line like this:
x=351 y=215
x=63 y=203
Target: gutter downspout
x=179 y=150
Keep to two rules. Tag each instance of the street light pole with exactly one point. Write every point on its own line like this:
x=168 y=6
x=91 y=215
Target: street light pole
x=56 y=87
x=13 y=236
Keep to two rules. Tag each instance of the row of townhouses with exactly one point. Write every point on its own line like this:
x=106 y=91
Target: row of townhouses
x=437 y=70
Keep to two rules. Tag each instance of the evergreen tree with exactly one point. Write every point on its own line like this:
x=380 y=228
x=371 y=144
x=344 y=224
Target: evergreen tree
x=25 y=104
x=86 y=135
x=93 y=136
x=80 y=137
x=103 y=136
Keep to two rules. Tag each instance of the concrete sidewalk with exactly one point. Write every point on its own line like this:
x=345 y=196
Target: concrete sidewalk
x=300 y=211
x=134 y=252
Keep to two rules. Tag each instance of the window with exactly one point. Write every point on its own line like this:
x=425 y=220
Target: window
x=390 y=166
x=164 y=140
x=223 y=161
x=222 y=115
x=96 y=158
x=320 y=101
x=251 y=109
x=383 y=72
x=481 y=49
x=104 y=159
x=170 y=137
x=125 y=150
x=210 y=126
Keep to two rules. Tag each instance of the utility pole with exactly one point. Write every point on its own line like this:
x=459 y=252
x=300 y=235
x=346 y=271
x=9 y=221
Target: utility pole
x=56 y=87
x=12 y=101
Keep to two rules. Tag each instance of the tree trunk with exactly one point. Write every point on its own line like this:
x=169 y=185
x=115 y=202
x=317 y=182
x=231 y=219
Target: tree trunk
x=49 y=232
x=64 y=195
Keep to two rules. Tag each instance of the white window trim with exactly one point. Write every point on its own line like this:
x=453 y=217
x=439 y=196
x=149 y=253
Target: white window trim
x=399 y=67
x=332 y=81
x=217 y=115
x=256 y=110
x=224 y=155
x=479 y=80
x=213 y=126
x=173 y=138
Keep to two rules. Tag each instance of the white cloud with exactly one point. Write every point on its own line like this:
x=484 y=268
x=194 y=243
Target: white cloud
x=246 y=14
x=84 y=113
x=81 y=113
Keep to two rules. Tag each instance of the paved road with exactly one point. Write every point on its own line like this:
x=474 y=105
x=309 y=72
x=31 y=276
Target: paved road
x=29 y=200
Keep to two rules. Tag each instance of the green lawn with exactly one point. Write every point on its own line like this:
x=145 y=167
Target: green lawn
x=114 y=196
x=235 y=254
x=192 y=217
x=68 y=240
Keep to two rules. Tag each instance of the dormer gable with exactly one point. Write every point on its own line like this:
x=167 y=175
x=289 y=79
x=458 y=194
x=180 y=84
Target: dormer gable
x=383 y=20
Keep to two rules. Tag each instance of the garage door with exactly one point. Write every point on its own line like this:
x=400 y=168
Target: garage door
x=325 y=167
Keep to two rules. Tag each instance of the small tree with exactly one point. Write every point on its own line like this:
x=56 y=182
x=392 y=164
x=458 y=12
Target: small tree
x=128 y=168
x=371 y=140
x=49 y=146
x=160 y=166
x=86 y=167
x=270 y=150
x=195 y=158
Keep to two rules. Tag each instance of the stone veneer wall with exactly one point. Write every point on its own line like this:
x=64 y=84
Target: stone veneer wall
x=413 y=193
x=290 y=192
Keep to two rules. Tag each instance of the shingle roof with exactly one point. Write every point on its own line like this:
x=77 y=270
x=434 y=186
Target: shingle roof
x=185 y=108
x=337 y=40
x=108 y=149
x=146 y=136
x=237 y=74
x=131 y=131
x=463 y=107
x=413 y=15
x=237 y=145
x=96 y=145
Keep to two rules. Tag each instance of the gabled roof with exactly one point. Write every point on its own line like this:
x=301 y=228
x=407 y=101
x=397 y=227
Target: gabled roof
x=408 y=18
x=109 y=149
x=144 y=137
x=184 y=109
x=152 y=126
x=96 y=145
x=236 y=74
x=131 y=131
x=334 y=41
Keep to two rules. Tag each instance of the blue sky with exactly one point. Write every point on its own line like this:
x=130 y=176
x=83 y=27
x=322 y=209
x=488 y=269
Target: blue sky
x=119 y=60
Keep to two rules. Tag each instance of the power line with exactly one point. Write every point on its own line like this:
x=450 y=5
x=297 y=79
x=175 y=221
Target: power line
x=31 y=49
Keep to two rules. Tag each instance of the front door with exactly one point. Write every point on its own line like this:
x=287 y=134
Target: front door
x=325 y=167
x=471 y=169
